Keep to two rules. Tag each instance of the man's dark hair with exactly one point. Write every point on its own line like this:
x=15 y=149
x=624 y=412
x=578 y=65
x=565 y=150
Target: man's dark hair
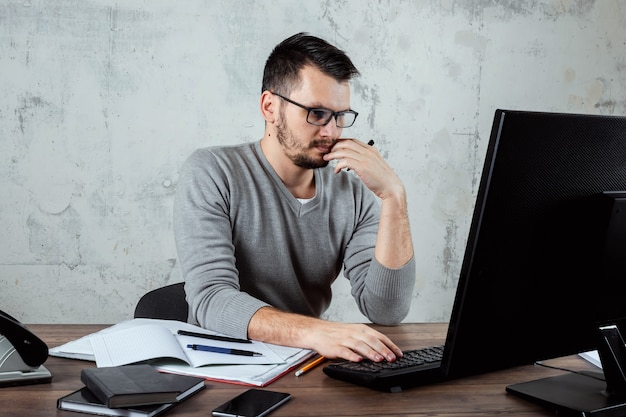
x=282 y=68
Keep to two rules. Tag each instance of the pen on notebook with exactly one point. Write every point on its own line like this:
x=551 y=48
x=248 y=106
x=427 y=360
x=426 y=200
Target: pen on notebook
x=213 y=337
x=310 y=365
x=226 y=351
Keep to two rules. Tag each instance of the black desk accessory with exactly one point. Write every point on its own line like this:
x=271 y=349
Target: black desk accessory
x=22 y=354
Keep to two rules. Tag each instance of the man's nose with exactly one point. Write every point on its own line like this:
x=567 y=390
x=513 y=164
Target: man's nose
x=330 y=129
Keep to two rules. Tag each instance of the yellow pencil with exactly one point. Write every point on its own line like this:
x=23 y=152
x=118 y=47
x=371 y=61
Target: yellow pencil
x=310 y=365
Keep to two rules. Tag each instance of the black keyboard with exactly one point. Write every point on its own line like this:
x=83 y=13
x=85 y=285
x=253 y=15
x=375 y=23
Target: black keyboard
x=416 y=367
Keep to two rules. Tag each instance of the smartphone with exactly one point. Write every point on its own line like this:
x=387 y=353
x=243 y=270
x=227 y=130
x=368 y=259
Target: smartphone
x=252 y=403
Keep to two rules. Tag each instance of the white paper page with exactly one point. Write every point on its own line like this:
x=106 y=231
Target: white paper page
x=81 y=348
x=285 y=352
x=134 y=345
x=200 y=358
x=144 y=341
x=76 y=349
x=258 y=375
x=593 y=357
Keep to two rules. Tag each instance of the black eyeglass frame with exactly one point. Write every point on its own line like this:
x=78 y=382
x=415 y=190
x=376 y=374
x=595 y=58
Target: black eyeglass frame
x=335 y=114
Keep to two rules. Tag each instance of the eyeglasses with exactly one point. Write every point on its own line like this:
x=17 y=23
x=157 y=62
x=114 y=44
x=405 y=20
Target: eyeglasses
x=321 y=117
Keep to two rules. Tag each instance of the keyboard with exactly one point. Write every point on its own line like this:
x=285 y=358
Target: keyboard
x=416 y=367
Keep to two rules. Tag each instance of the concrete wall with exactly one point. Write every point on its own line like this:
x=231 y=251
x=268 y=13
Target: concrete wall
x=101 y=101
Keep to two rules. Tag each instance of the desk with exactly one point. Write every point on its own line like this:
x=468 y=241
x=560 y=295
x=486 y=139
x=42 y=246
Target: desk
x=313 y=394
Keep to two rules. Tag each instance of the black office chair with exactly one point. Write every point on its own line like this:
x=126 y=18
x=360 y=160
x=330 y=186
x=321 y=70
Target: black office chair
x=164 y=303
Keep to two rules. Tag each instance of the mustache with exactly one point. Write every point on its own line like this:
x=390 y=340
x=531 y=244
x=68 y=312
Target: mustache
x=323 y=142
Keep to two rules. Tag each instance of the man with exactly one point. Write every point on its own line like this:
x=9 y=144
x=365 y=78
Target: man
x=263 y=229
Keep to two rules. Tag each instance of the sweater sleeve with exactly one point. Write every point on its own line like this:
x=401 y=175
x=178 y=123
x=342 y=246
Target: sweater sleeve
x=385 y=296
x=203 y=234
x=382 y=294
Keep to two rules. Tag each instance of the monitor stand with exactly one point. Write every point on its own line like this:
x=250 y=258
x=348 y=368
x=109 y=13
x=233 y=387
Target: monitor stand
x=571 y=395
x=589 y=394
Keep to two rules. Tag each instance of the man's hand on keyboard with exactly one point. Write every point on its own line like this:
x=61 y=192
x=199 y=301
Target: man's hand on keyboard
x=352 y=342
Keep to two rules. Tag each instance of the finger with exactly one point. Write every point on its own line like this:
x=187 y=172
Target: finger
x=341 y=164
x=376 y=346
x=397 y=352
x=386 y=347
x=375 y=354
x=353 y=145
x=347 y=158
x=381 y=352
x=339 y=351
x=349 y=355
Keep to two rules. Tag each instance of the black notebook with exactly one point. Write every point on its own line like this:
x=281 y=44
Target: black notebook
x=84 y=401
x=135 y=385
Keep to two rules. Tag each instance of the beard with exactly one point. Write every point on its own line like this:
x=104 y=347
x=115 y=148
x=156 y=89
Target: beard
x=297 y=152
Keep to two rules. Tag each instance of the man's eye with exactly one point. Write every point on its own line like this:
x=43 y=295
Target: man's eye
x=319 y=114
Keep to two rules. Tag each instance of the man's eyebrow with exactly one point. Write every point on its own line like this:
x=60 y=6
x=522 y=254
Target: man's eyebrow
x=318 y=105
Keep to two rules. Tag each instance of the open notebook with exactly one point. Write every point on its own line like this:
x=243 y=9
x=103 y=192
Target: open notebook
x=157 y=342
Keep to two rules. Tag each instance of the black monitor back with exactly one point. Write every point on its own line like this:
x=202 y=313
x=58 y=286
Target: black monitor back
x=536 y=279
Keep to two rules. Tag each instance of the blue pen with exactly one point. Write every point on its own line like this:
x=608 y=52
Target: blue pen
x=226 y=351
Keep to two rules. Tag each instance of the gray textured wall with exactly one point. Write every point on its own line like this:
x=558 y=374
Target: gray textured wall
x=101 y=101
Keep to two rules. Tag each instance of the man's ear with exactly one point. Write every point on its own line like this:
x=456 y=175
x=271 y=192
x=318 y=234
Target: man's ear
x=269 y=106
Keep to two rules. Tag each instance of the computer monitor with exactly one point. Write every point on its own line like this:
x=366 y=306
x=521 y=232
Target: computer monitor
x=545 y=262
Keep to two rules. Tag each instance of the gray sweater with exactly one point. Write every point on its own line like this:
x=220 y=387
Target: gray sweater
x=244 y=242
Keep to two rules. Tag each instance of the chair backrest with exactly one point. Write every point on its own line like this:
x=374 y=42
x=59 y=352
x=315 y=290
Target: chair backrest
x=164 y=303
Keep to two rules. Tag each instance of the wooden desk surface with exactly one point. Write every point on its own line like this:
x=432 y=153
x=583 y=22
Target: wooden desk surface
x=313 y=394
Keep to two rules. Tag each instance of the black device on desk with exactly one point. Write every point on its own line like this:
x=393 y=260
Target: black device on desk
x=21 y=354
x=252 y=403
x=545 y=262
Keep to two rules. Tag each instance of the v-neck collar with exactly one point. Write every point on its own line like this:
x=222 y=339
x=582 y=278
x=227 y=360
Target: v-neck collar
x=298 y=208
